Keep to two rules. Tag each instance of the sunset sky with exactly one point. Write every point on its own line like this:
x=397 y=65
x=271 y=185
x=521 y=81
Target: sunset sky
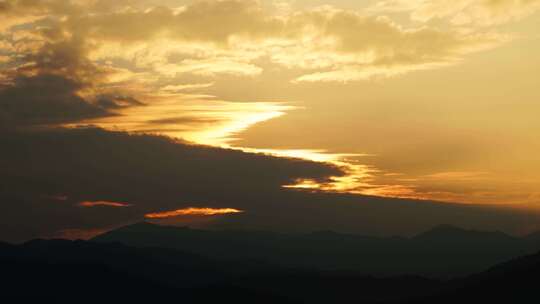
x=425 y=100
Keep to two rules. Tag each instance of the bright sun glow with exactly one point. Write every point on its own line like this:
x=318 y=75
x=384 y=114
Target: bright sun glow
x=202 y=121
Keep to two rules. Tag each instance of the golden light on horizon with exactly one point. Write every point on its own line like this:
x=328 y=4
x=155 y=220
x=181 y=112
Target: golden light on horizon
x=192 y=212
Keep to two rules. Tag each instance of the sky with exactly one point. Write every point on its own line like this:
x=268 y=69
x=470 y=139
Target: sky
x=318 y=105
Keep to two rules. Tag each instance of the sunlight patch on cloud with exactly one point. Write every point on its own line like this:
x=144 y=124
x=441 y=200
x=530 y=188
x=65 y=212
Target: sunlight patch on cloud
x=90 y=204
x=192 y=212
x=202 y=121
x=357 y=178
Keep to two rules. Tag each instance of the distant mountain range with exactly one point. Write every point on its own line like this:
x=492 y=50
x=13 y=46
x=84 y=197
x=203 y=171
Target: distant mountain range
x=80 y=271
x=444 y=251
x=62 y=271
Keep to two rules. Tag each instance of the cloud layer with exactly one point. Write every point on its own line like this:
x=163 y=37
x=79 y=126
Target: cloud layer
x=71 y=61
x=120 y=178
x=463 y=12
x=231 y=37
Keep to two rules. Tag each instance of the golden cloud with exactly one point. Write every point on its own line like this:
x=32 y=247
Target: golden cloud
x=461 y=12
x=192 y=212
x=209 y=38
x=90 y=204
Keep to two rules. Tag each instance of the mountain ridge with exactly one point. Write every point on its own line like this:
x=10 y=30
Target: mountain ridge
x=441 y=251
x=63 y=270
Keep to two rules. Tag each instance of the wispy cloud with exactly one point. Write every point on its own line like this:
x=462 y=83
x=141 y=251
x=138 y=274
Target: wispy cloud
x=90 y=204
x=462 y=12
x=192 y=212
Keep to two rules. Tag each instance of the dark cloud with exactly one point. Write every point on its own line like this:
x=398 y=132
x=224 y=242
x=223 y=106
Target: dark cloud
x=150 y=173
x=156 y=174
x=5 y=7
x=45 y=99
x=48 y=88
x=117 y=101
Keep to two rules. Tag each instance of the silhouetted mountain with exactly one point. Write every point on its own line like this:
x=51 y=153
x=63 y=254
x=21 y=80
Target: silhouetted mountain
x=515 y=281
x=448 y=233
x=80 y=271
x=85 y=272
x=510 y=282
x=5 y=245
x=442 y=251
x=534 y=237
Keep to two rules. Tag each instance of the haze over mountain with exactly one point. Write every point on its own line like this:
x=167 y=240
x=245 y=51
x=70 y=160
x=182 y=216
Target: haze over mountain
x=65 y=271
x=441 y=251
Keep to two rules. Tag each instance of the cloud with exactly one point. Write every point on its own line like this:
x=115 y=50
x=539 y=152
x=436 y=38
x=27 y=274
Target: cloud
x=346 y=73
x=55 y=83
x=215 y=21
x=463 y=12
x=185 y=120
x=365 y=47
x=174 y=89
x=210 y=38
x=155 y=174
x=45 y=99
x=151 y=173
x=345 y=42
x=71 y=61
x=117 y=101
x=89 y=204
x=192 y=212
x=457 y=175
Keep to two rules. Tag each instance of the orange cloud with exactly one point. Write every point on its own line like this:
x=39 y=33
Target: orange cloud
x=90 y=204
x=192 y=211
